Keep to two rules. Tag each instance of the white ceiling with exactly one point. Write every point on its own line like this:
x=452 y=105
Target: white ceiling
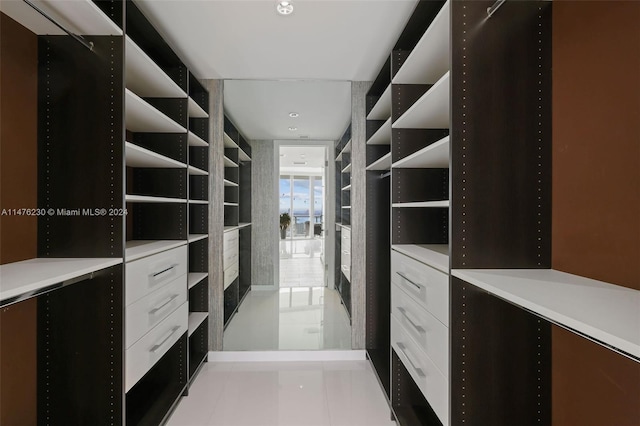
x=261 y=108
x=314 y=156
x=317 y=50
x=247 y=39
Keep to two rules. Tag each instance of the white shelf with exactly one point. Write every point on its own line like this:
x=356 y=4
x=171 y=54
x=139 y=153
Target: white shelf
x=231 y=204
x=382 y=136
x=227 y=182
x=196 y=237
x=347 y=169
x=383 y=163
x=228 y=162
x=346 y=149
x=429 y=60
x=195 y=140
x=142 y=117
x=194 y=278
x=136 y=156
x=347 y=188
x=27 y=278
x=198 y=202
x=434 y=255
x=148 y=199
x=195 y=319
x=228 y=142
x=435 y=155
x=343 y=226
x=196 y=111
x=196 y=171
x=145 y=78
x=346 y=207
x=382 y=109
x=431 y=111
x=238 y=226
x=440 y=203
x=79 y=16
x=243 y=155
x=601 y=311
x=136 y=249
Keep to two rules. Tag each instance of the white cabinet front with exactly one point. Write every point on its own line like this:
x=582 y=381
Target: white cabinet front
x=145 y=275
x=146 y=313
x=428 y=286
x=149 y=349
x=433 y=385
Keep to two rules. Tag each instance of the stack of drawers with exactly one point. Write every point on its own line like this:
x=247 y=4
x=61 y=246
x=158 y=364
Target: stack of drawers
x=231 y=255
x=156 y=309
x=345 y=247
x=420 y=327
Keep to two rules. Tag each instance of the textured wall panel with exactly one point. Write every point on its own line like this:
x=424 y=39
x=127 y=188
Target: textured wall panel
x=264 y=231
x=216 y=212
x=358 y=212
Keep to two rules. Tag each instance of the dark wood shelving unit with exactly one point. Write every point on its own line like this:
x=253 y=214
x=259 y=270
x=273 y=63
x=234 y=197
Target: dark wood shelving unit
x=343 y=220
x=237 y=219
x=378 y=242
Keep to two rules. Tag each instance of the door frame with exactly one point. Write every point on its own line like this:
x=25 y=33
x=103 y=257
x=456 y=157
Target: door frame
x=329 y=206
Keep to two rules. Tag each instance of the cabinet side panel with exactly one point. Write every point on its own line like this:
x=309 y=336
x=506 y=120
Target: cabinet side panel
x=80 y=147
x=500 y=361
x=18 y=139
x=501 y=135
x=596 y=194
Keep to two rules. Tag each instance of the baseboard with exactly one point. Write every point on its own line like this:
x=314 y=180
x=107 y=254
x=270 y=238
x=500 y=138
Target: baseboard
x=267 y=356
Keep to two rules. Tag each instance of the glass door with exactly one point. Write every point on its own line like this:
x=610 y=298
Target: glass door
x=302 y=198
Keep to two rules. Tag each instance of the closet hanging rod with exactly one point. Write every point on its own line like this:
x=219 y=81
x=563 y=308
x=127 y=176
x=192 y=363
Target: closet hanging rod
x=80 y=39
x=384 y=175
x=491 y=10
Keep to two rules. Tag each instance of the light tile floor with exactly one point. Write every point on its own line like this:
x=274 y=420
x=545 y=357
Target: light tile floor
x=291 y=318
x=301 y=272
x=335 y=393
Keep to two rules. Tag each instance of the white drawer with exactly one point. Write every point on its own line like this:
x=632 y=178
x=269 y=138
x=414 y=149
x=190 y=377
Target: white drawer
x=433 y=385
x=345 y=257
x=430 y=334
x=147 y=274
x=346 y=235
x=426 y=285
x=230 y=255
x=231 y=238
x=146 y=313
x=152 y=346
x=230 y=274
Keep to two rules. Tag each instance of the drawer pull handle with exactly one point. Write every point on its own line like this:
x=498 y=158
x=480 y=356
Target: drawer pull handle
x=406 y=278
x=157 y=308
x=403 y=348
x=154 y=275
x=159 y=345
x=345 y=251
x=403 y=311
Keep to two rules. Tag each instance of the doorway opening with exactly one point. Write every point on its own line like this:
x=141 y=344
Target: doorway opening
x=302 y=207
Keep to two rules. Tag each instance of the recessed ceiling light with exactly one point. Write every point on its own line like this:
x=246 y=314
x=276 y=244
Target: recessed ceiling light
x=293 y=129
x=294 y=115
x=285 y=8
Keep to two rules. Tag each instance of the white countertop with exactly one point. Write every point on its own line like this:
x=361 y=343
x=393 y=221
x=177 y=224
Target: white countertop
x=29 y=276
x=604 y=312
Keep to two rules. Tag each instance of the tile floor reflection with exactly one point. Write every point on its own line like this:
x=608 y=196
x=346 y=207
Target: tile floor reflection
x=291 y=318
x=335 y=393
